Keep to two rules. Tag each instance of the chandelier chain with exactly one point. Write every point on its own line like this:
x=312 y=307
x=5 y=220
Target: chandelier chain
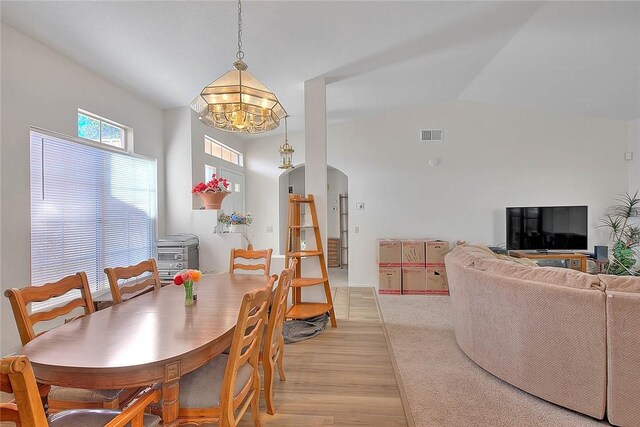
x=286 y=132
x=240 y=53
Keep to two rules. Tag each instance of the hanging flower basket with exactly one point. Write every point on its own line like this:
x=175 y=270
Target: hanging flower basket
x=213 y=192
x=212 y=200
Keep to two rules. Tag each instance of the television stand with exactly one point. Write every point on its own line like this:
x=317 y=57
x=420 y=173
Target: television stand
x=575 y=261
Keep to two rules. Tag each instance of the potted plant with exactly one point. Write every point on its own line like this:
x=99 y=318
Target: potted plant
x=237 y=222
x=624 y=235
x=213 y=192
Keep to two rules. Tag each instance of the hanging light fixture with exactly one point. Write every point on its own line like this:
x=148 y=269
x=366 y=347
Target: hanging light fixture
x=286 y=151
x=237 y=101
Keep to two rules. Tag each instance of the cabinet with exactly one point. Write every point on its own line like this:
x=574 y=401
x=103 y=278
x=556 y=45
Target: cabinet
x=574 y=261
x=333 y=252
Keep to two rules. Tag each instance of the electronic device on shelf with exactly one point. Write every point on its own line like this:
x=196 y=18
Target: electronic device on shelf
x=547 y=228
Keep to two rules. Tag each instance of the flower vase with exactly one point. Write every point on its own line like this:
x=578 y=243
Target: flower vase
x=213 y=200
x=188 y=293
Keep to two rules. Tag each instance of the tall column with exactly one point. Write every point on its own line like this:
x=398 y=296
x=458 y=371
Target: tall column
x=315 y=157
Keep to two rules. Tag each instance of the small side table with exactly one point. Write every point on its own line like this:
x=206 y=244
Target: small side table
x=575 y=261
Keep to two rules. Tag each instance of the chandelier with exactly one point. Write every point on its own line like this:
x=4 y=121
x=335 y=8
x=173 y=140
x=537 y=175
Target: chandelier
x=286 y=151
x=237 y=101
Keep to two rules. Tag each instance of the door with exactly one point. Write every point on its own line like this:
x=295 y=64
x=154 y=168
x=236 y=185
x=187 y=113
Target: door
x=235 y=200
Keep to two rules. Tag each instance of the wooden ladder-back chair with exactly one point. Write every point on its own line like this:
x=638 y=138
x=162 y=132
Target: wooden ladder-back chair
x=128 y=276
x=17 y=378
x=61 y=397
x=222 y=390
x=250 y=255
x=273 y=343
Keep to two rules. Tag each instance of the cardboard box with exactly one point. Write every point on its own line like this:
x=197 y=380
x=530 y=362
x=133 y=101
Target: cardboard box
x=437 y=280
x=390 y=280
x=414 y=280
x=436 y=250
x=413 y=253
x=389 y=253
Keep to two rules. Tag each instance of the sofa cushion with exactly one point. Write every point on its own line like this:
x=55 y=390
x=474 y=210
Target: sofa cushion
x=620 y=283
x=467 y=254
x=551 y=275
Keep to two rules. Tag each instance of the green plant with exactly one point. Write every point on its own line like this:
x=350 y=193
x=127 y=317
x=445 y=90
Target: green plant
x=625 y=236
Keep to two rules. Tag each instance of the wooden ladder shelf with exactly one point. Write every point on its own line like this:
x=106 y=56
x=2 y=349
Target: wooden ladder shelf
x=300 y=309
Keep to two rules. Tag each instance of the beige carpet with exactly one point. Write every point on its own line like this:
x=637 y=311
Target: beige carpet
x=446 y=388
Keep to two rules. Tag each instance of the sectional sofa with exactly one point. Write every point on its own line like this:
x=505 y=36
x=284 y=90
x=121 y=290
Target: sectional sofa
x=567 y=337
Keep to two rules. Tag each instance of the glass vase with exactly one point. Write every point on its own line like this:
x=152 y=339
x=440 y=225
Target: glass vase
x=188 y=293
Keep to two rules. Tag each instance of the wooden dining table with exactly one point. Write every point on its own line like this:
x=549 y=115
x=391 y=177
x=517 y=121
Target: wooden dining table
x=151 y=339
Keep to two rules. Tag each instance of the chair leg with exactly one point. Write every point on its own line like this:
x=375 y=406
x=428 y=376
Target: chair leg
x=269 y=370
x=255 y=402
x=280 y=366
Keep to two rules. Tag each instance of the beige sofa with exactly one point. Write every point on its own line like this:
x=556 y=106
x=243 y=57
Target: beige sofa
x=567 y=337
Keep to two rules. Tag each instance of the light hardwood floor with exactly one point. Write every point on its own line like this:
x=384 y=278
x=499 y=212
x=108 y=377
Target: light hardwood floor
x=343 y=377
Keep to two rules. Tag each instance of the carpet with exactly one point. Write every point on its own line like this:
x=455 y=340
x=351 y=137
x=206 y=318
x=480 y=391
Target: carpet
x=443 y=386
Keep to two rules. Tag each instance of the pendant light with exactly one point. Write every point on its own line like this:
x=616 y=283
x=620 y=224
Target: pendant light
x=237 y=101
x=286 y=151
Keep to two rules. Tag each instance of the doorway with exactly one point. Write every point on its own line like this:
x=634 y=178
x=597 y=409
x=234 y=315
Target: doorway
x=337 y=232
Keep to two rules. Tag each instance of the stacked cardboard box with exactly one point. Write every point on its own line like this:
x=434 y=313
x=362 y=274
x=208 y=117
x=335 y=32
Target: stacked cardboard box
x=436 y=272
x=412 y=267
x=414 y=273
x=390 y=267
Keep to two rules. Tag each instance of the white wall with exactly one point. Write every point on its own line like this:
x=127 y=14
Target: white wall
x=492 y=157
x=184 y=145
x=199 y=158
x=634 y=165
x=263 y=189
x=44 y=89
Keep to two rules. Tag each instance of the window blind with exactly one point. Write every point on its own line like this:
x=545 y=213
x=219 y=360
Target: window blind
x=91 y=208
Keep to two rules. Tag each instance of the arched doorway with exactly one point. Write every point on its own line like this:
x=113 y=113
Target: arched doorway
x=292 y=182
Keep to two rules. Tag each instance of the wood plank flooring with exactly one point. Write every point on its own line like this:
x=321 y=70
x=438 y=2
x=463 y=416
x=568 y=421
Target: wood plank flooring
x=344 y=377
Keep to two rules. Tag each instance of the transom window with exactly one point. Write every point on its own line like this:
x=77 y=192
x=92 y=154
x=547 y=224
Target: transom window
x=221 y=151
x=99 y=129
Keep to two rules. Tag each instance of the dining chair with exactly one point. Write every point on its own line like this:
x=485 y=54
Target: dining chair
x=228 y=384
x=26 y=409
x=62 y=397
x=134 y=279
x=273 y=343
x=250 y=255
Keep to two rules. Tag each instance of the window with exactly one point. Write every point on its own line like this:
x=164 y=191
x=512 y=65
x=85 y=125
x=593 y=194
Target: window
x=221 y=151
x=91 y=208
x=98 y=129
x=209 y=171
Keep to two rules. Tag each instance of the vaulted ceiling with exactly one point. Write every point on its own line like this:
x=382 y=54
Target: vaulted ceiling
x=574 y=57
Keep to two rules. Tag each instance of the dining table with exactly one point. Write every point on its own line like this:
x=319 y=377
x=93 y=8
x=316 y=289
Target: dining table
x=151 y=339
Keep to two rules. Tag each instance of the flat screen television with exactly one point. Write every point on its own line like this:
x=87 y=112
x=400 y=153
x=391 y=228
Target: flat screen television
x=547 y=228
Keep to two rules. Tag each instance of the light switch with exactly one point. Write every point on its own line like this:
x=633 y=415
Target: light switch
x=357 y=230
x=628 y=155
x=269 y=228
x=360 y=206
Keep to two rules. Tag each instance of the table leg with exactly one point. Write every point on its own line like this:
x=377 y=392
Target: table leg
x=170 y=403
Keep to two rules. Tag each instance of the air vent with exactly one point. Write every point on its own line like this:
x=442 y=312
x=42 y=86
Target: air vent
x=431 y=135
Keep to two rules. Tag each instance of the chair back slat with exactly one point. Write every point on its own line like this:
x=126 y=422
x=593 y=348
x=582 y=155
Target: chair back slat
x=121 y=278
x=16 y=371
x=40 y=316
x=250 y=255
x=245 y=347
x=21 y=298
